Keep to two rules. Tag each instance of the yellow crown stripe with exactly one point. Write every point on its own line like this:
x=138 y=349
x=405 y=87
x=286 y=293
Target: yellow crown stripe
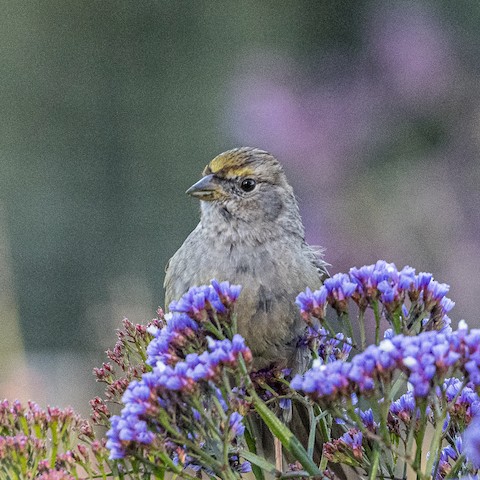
x=229 y=165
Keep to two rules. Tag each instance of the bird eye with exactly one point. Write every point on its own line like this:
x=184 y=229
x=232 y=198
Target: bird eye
x=248 y=184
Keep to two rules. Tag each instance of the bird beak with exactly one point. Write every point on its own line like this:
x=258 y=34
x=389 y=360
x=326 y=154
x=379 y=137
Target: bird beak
x=207 y=188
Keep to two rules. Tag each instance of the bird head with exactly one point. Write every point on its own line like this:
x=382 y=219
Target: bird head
x=247 y=185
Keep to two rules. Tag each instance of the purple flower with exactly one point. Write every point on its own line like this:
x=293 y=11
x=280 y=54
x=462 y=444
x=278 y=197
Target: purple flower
x=192 y=303
x=436 y=291
x=349 y=443
x=369 y=277
x=471 y=442
x=226 y=352
x=389 y=292
x=332 y=349
x=339 y=289
x=245 y=467
x=406 y=278
x=218 y=393
x=124 y=429
x=198 y=301
x=353 y=439
x=285 y=404
x=236 y=424
x=179 y=329
x=422 y=280
x=382 y=282
x=168 y=386
x=367 y=419
x=227 y=293
x=389 y=333
x=446 y=304
x=446 y=454
x=196 y=415
x=425 y=359
x=365 y=279
x=405 y=408
x=312 y=303
x=238 y=344
x=324 y=380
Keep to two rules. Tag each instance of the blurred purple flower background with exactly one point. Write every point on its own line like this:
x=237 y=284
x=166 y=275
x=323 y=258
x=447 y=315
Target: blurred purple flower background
x=381 y=145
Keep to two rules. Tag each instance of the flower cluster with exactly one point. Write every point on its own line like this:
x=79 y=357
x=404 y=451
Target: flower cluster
x=143 y=397
x=50 y=442
x=199 y=301
x=126 y=364
x=406 y=410
x=183 y=403
x=399 y=291
x=186 y=385
x=192 y=318
x=347 y=449
x=325 y=346
x=334 y=348
x=187 y=392
x=463 y=401
x=448 y=455
x=425 y=360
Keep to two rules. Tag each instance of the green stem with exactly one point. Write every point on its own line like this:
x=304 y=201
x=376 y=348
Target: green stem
x=376 y=312
x=286 y=437
x=375 y=463
x=456 y=467
x=297 y=474
x=142 y=352
x=345 y=319
x=311 y=434
x=53 y=456
x=361 y=321
x=278 y=429
x=218 y=325
x=252 y=447
x=260 y=463
x=24 y=425
x=220 y=410
x=210 y=327
x=226 y=464
x=384 y=409
x=419 y=437
x=437 y=436
x=409 y=440
x=234 y=324
x=396 y=385
x=397 y=324
x=181 y=440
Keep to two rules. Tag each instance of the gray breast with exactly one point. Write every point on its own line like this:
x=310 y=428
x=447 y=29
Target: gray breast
x=271 y=279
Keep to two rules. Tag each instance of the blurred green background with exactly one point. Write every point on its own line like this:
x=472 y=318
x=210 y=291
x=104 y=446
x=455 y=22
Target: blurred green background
x=110 y=110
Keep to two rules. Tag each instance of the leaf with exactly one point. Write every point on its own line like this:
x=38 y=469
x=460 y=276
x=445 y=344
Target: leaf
x=283 y=433
x=259 y=461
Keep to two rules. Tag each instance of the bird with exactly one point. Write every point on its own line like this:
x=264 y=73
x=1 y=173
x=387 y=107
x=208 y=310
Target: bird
x=250 y=233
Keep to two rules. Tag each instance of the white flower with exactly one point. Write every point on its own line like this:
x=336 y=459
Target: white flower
x=386 y=346
x=410 y=362
x=152 y=330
